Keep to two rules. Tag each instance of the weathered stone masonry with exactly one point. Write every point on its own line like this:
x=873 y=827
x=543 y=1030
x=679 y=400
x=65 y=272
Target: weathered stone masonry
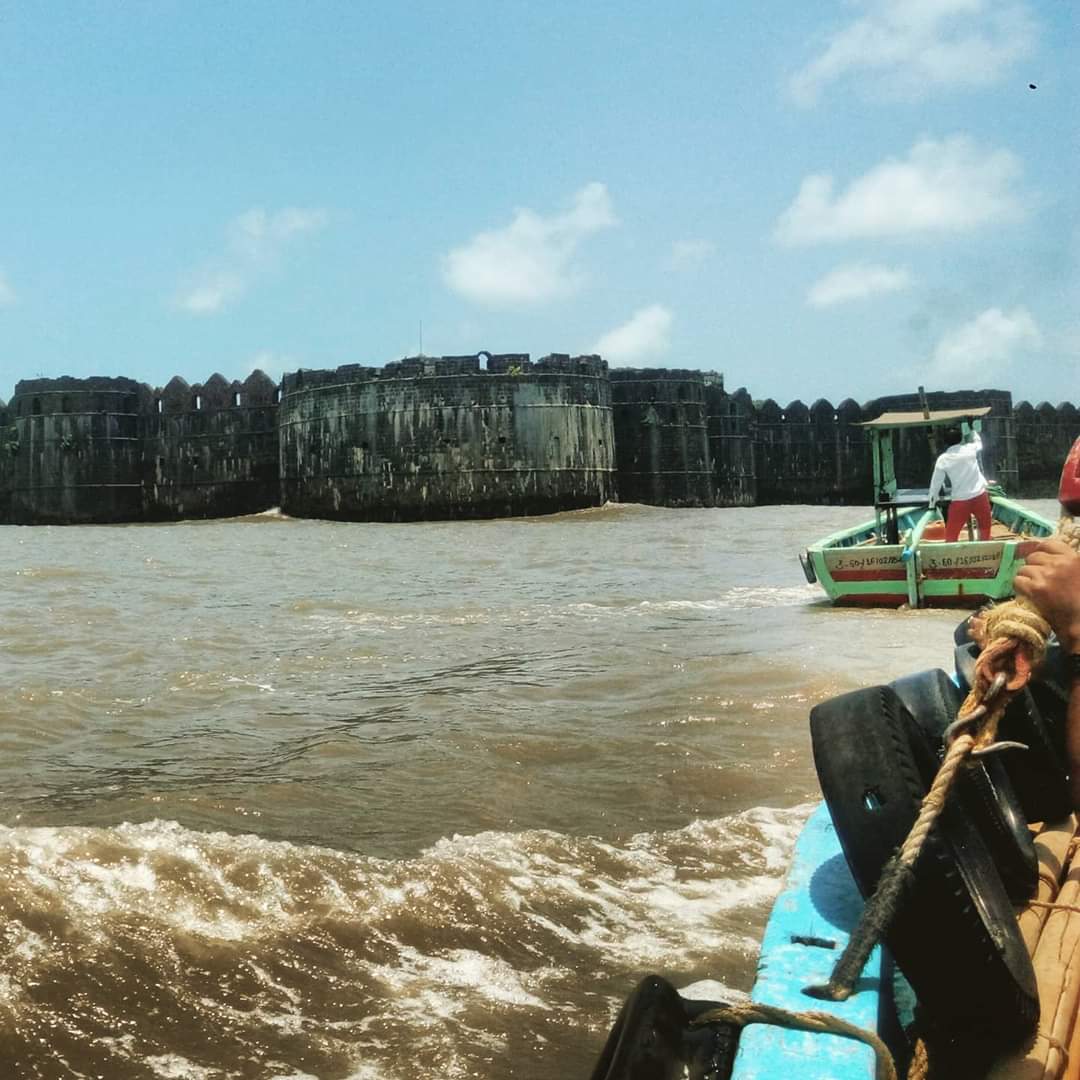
x=473 y=436
x=443 y=438
x=107 y=450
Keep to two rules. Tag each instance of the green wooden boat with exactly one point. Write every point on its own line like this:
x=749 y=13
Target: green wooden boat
x=901 y=557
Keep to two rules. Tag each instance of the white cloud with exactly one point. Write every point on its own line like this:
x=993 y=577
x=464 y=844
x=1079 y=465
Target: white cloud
x=7 y=293
x=947 y=185
x=644 y=336
x=689 y=254
x=257 y=237
x=983 y=348
x=257 y=241
x=908 y=48
x=856 y=282
x=211 y=290
x=530 y=260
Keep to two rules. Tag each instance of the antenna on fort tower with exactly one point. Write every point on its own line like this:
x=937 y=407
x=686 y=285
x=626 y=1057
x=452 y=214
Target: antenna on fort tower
x=421 y=337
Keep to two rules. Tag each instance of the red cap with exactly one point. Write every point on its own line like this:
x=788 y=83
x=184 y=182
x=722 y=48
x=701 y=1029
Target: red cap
x=1069 y=492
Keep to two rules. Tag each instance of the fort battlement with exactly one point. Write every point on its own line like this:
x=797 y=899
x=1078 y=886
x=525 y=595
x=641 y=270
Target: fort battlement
x=486 y=435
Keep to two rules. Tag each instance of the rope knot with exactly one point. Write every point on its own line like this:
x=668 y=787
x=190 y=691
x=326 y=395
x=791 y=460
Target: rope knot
x=1012 y=637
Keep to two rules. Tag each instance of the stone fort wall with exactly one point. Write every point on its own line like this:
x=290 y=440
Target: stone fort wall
x=472 y=436
x=453 y=437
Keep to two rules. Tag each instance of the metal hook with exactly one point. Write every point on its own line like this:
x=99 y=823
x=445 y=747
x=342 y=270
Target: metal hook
x=961 y=722
x=995 y=687
x=994 y=748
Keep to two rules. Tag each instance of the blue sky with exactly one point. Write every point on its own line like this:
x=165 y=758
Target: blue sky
x=828 y=199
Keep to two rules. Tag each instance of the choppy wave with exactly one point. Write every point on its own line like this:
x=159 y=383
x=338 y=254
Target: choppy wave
x=189 y=954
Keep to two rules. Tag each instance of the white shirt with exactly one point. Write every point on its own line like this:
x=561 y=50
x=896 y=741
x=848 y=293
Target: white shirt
x=960 y=463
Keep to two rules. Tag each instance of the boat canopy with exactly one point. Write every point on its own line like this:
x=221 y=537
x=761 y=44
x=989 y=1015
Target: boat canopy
x=924 y=419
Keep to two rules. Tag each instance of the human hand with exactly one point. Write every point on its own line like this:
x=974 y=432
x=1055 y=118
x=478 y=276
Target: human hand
x=1050 y=579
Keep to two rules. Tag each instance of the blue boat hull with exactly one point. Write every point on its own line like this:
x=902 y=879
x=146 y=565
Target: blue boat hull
x=819 y=904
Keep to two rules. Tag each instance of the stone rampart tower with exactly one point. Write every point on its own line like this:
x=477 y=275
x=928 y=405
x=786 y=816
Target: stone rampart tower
x=77 y=450
x=452 y=437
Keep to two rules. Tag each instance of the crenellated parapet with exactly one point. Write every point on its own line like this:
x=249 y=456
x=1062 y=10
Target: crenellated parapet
x=104 y=449
x=815 y=454
x=211 y=449
x=1044 y=434
x=916 y=451
x=489 y=435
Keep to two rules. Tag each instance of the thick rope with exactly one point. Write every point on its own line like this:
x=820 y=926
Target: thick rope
x=817 y=1022
x=919 y=1069
x=1012 y=637
x=1069 y=530
x=1053 y=905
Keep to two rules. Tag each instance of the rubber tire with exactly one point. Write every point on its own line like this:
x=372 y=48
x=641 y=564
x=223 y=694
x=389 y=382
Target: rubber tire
x=1038 y=775
x=652 y=1039
x=933 y=700
x=955 y=935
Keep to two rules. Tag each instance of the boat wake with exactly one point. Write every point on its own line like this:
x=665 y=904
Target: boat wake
x=156 y=947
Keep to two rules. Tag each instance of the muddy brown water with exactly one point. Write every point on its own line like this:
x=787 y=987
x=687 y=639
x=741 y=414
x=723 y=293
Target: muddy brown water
x=294 y=799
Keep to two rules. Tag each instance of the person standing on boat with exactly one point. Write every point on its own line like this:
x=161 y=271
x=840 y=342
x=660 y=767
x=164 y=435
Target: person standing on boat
x=960 y=463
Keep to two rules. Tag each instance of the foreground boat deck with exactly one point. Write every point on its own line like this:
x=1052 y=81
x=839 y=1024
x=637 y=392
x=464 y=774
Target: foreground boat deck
x=810 y=926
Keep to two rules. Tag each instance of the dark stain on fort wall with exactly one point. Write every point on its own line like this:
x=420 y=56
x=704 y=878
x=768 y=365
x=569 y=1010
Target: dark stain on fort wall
x=102 y=450
x=8 y=449
x=731 y=426
x=430 y=438
x=662 y=436
x=212 y=449
x=78 y=450
x=1043 y=435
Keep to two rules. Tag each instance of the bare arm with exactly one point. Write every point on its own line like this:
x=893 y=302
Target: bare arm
x=1051 y=581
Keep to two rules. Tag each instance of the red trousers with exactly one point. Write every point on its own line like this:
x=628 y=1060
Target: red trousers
x=959 y=512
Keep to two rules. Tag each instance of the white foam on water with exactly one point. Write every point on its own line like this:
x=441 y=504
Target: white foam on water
x=174 y=1067
x=559 y=905
x=463 y=969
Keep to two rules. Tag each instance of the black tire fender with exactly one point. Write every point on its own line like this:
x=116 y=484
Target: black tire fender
x=933 y=700
x=1038 y=775
x=954 y=935
x=652 y=1039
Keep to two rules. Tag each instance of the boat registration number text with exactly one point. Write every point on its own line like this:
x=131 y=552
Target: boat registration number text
x=860 y=560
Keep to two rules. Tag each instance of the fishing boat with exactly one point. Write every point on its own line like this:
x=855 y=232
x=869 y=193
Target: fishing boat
x=950 y=952
x=902 y=557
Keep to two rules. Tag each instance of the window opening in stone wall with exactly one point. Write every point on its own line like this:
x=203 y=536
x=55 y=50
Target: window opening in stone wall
x=198 y=401
x=159 y=405
x=236 y=398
